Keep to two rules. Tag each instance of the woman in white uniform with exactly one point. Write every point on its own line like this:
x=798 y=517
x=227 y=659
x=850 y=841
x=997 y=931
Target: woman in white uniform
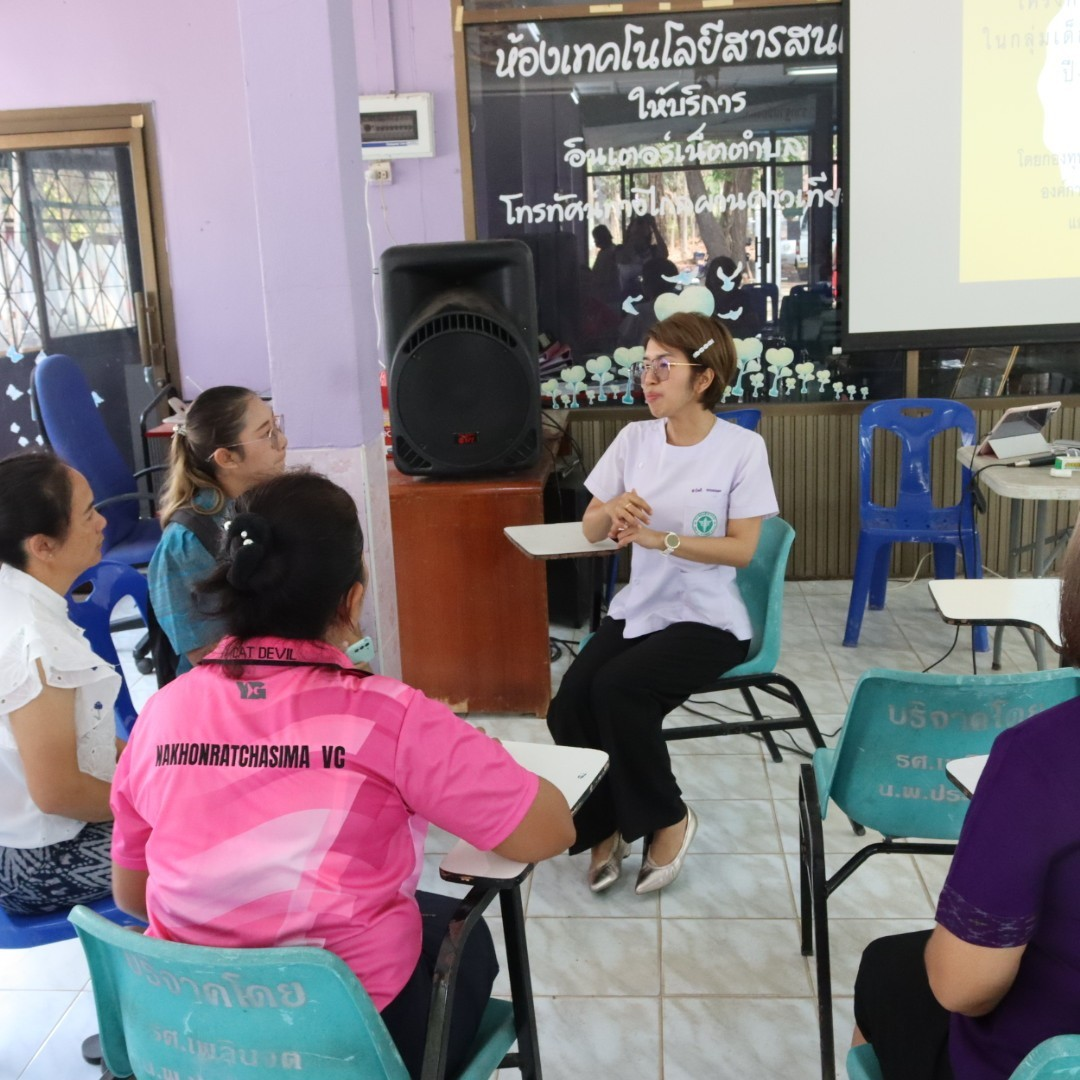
x=689 y=492
x=57 y=742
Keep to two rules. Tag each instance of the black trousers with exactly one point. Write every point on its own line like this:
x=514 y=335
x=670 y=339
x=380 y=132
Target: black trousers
x=614 y=697
x=897 y=1012
x=406 y=1017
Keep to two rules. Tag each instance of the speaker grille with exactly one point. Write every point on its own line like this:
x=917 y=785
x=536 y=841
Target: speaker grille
x=461 y=322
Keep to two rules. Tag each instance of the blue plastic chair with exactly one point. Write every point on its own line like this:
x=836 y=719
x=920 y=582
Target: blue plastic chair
x=74 y=429
x=29 y=931
x=166 y=1008
x=761 y=585
x=109 y=583
x=888 y=773
x=1055 y=1059
x=745 y=418
x=914 y=518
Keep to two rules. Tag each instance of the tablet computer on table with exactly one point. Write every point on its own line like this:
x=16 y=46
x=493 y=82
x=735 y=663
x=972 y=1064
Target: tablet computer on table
x=1019 y=432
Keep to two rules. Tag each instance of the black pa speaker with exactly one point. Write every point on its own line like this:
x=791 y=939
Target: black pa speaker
x=464 y=382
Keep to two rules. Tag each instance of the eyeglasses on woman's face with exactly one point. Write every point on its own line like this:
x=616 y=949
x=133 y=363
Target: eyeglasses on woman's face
x=275 y=436
x=660 y=368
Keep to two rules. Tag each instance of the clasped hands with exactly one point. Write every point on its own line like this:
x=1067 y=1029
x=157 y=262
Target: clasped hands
x=630 y=515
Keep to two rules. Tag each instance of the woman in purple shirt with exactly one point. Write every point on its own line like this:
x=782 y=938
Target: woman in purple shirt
x=1000 y=972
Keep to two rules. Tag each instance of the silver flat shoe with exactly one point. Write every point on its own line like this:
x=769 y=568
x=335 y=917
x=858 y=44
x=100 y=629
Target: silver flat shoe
x=652 y=877
x=607 y=873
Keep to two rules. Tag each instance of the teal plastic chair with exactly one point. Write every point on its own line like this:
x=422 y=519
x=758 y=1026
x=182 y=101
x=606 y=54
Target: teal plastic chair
x=762 y=587
x=1055 y=1059
x=862 y=1063
x=168 y=1009
x=888 y=773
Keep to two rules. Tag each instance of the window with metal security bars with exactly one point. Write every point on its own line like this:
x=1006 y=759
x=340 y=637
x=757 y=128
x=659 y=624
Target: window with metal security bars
x=78 y=264
x=63 y=261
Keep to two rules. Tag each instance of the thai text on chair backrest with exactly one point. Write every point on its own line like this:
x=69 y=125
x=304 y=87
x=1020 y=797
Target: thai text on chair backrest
x=902 y=728
x=223 y=1013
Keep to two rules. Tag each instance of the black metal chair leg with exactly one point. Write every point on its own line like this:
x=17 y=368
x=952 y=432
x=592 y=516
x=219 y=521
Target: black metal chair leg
x=770 y=744
x=517 y=961
x=806 y=909
x=818 y=887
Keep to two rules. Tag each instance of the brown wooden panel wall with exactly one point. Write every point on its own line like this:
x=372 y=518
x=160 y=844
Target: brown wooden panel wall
x=814 y=456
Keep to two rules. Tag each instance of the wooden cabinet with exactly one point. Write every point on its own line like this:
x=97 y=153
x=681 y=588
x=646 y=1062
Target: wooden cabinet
x=472 y=609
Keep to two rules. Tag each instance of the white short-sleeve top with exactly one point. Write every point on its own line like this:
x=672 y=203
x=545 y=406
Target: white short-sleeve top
x=693 y=491
x=34 y=626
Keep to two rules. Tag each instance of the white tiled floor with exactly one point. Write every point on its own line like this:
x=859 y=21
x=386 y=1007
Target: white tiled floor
x=703 y=980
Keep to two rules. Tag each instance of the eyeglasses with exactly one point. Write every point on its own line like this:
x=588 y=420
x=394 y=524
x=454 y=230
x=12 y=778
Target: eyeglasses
x=277 y=430
x=660 y=369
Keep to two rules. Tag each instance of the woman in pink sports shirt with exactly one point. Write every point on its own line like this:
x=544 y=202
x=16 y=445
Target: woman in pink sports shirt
x=277 y=796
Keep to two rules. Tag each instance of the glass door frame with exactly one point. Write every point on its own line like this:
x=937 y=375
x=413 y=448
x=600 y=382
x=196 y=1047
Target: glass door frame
x=119 y=125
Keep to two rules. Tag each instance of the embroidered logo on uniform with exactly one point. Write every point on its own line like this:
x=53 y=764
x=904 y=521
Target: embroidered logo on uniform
x=704 y=523
x=252 y=691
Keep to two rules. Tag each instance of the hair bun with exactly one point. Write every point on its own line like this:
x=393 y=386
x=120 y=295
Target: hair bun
x=248 y=539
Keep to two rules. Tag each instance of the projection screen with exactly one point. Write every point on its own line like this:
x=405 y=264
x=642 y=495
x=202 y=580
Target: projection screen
x=960 y=223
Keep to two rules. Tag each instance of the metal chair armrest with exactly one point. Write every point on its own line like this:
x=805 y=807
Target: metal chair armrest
x=127 y=496
x=149 y=469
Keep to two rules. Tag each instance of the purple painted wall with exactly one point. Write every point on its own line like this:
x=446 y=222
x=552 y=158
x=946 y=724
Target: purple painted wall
x=423 y=204
x=185 y=58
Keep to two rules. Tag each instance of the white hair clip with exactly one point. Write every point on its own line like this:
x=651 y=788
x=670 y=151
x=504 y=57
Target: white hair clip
x=246 y=542
x=226 y=525
x=698 y=352
x=243 y=534
x=179 y=416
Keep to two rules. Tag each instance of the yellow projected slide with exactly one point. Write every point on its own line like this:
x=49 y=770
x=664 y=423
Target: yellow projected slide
x=1020 y=141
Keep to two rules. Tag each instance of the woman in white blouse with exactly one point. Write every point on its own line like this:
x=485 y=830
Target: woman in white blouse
x=57 y=747
x=689 y=492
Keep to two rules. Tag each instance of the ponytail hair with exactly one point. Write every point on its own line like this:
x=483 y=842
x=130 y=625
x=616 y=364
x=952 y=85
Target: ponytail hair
x=213 y=420
x=289 y=558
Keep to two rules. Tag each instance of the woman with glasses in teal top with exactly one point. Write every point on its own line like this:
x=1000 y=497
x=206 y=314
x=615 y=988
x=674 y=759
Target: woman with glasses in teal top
x=689 y=493
x=226 y=442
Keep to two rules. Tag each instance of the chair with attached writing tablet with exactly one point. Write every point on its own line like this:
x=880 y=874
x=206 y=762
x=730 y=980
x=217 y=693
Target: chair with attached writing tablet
x=888 y=772
x=914 y=518
x=166 y=1008
x=761 y=585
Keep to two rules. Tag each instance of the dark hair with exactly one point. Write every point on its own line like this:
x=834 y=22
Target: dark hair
x=726 y=264
x=35 y=499
x=291 y=553
x=214 y=419
x=688 y=331
x=1070 y=601
x=653 y=273
x=602 y=236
